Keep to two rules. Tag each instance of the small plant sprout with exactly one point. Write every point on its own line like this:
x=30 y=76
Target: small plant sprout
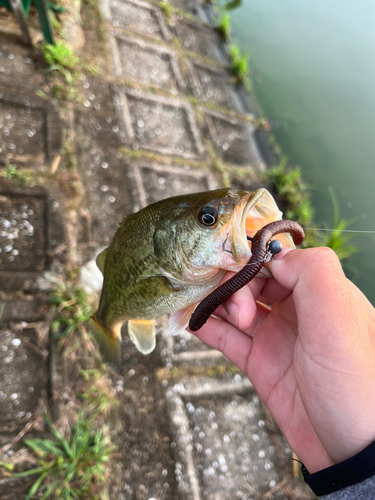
x=290 y=185
x=240 y=65
x=73 y=467
x=335 y=238
x=19 y=177
x=167 y=8
x=70 y=309
x=61 y=58
x=224 y=26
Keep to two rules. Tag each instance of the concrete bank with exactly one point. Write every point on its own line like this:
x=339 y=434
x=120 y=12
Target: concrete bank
x=163 y=116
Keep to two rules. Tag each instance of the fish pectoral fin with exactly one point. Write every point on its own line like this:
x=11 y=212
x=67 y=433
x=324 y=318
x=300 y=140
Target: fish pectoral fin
x=100 y=260
x=142 y=333
x=178 y=321
x=109 y=341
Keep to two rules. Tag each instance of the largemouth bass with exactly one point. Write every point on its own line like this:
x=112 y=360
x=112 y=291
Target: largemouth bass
x=170 y=255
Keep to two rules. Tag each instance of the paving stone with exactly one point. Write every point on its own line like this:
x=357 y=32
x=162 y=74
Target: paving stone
x=191 y=6
x=195 y=387
x=30 y=129
x=16 y=488
x=141 y=429
x=153 y=182
x=200 y=39
x=158 y=123
x=222 y=447
x=99 y=121
x=31 y=232
x=233 y=140
x=187 y=350
x=23 y=375
x=269 y=156
x=232 y=447
x=246 y=184
x=136 y=16
x=26 y=309
x=145 y=63
x=214 y=84
x=186 y=342
x=17 y=62
x=22 y=233
x=108 y=191
x=101 y=166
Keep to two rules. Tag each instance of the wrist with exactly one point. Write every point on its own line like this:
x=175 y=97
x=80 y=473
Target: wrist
x=344 y=474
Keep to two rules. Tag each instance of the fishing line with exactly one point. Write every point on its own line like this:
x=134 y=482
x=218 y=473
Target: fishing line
x=338 y=230
x=355 y=231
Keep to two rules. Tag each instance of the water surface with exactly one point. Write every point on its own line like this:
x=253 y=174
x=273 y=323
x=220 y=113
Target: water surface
x=313 y=70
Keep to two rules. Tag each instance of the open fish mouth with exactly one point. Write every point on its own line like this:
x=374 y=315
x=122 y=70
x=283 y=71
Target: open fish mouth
x=251 y=214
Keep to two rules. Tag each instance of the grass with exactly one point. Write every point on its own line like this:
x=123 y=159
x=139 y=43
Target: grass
x=335 y=238
x=68 y=153
x=61 y=58
x=74 y=464
x=55 y=22
x=167 y=8
x=224 y=26
x=239 y=65
x=72 y=467
x=70 y=308
x=290 y=184
x=233 y=4
x=20 y=178
x=96 y=397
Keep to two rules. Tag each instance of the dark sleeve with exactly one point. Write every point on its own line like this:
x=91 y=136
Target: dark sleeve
x=353 y=479
x=359 y=491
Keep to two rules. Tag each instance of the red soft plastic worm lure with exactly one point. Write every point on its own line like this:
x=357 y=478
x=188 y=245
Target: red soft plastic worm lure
x=259 y=249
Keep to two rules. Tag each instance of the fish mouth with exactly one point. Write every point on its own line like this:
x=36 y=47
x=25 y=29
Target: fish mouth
x=252 y=213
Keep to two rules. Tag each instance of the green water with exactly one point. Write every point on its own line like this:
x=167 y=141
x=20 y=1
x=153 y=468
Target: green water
x=313 y=70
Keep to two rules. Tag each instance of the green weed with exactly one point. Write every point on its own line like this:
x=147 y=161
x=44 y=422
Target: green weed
x=335 y=238
x=70 y=309
x=233 y=4
x=90 y=68
x=55 y=22
x=223 y=25
x=97 y=396
x=67 y=92
x=20 y=178
x=71 y=468
x=239 y=65
x=60 y=54
x=218 y=371
x=167 y=8
x=290 y=185
x=61 y=58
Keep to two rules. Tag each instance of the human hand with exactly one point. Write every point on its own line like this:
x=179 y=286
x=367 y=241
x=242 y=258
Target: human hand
x=311 y=357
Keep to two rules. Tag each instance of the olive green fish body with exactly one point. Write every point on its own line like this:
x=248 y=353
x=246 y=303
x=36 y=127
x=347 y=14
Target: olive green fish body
x=134 y=285
x=169 y=256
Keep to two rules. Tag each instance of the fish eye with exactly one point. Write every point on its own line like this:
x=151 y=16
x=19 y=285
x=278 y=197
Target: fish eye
x=208 y=216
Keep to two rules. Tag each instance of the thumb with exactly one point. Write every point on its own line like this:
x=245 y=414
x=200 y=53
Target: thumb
x=330 y=316
x=321 y=292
